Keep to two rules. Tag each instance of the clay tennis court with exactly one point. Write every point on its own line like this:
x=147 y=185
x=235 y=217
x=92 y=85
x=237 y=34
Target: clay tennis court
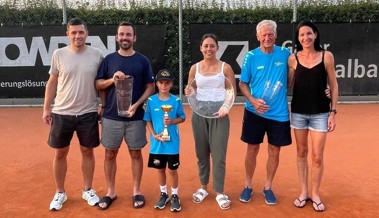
x=349 y=187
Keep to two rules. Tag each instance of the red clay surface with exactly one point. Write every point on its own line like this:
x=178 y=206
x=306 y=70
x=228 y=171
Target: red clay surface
x=349 y=187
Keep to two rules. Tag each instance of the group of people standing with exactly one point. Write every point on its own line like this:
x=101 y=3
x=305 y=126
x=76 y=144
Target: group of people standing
x=78 y=72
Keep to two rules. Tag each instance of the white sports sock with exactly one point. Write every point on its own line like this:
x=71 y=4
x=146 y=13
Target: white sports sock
x=174 y=191
x=163 y=188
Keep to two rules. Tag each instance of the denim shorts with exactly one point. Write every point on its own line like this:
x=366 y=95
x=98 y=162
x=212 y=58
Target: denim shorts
x=133 y=132
x=315 y=122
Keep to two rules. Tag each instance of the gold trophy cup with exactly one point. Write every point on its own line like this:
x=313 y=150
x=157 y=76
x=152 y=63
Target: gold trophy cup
x=165 y=135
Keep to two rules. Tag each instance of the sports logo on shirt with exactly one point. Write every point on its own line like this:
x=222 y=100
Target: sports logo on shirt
x=277 y=64
x=156 y=162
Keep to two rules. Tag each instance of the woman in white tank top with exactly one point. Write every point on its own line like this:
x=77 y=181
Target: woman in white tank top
x=211 y=134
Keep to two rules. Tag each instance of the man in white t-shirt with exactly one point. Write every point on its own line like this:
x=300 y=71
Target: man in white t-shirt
x=71 y=87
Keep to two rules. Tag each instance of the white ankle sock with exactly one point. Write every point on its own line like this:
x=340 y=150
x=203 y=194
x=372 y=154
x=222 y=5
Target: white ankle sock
x=174 y=191
x=163 y=188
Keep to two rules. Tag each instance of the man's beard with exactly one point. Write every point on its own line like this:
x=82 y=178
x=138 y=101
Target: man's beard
x=125 y=46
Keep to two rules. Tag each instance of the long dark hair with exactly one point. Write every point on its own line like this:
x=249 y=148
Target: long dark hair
x=308 y=23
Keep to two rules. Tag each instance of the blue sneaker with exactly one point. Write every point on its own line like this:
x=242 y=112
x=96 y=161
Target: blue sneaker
x=270 y=198
x=245 y=196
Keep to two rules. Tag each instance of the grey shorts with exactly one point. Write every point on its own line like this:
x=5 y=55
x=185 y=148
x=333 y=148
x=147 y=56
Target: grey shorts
x=133 y=132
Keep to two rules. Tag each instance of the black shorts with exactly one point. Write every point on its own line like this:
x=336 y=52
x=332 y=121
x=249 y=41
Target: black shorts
x=254 y=128
x=64 y=126
x=159 y=161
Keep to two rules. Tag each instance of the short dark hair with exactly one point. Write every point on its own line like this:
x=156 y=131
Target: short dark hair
x=126 y=23
x=76 y=21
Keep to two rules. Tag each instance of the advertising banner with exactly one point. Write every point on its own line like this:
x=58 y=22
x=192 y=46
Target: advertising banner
x=355 y=47
x=25 y=53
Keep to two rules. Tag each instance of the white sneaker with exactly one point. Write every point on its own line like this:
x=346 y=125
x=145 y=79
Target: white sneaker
x=90 y=196
x=58 y=200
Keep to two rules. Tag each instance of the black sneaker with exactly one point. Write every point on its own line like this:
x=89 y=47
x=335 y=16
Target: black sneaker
x=175 y=203
x=163 y=200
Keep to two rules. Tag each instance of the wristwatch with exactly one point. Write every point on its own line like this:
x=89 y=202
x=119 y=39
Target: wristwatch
x=333 y=110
